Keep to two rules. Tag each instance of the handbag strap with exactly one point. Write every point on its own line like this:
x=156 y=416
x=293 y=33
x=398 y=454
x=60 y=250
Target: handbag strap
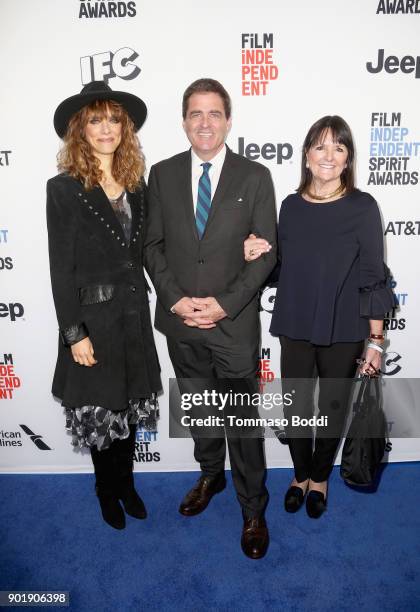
x=364 y=386
x=364 y=390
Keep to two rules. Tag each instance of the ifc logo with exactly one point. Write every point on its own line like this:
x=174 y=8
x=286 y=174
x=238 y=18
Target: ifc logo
x=107 y=65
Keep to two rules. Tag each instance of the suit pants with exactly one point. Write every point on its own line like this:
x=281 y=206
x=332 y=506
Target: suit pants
x=214 y=361
x=302 y=359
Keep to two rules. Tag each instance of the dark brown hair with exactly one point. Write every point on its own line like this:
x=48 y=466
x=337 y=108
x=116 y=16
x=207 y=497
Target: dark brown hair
x=341 y=133
x=77 y=159
x=207 y=86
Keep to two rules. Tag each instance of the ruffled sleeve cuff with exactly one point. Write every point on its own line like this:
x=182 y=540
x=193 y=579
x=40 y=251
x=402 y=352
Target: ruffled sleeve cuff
x=73 y=334
x=376 y=301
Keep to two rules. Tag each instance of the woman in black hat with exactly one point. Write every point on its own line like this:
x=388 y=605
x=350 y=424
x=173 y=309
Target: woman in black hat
x=107 y=372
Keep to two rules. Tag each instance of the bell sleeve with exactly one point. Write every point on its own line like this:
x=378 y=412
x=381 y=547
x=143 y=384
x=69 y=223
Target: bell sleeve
x=376 y=296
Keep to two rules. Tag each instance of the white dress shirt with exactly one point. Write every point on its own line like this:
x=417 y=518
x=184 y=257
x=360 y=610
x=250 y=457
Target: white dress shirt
x=214 y=172
x=214 y=175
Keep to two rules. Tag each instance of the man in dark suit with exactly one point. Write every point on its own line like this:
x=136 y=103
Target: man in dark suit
x=203 y=203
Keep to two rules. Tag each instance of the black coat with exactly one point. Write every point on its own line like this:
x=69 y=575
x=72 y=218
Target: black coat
x=99 y=290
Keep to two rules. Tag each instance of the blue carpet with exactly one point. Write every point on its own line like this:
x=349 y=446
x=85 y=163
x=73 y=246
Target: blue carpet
x=363 y=554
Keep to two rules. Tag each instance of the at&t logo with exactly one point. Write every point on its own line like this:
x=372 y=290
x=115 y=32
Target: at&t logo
x=4 y=158
x=402 y=228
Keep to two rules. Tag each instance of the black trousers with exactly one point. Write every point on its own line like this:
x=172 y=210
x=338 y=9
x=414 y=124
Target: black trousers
x=213 y=362
x=301 y=359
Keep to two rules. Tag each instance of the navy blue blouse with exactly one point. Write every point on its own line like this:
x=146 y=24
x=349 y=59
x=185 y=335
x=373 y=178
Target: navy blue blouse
x=332 y=275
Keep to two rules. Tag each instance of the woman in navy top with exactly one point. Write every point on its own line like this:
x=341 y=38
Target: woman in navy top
x=332 y=295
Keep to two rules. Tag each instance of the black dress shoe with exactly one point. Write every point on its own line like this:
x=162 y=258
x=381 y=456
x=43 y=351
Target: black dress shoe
x=112 y=513
x=316 y=504
x=200 y=495
x=255 y=537
x=293 y=499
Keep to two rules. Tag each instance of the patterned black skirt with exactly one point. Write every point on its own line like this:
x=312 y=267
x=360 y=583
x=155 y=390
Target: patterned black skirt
x=97 y=426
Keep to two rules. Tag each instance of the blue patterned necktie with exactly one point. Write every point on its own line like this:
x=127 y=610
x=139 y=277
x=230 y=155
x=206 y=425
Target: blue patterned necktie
x=203 y=200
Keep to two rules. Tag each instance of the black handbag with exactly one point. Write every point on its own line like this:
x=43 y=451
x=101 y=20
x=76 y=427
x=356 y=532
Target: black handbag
x=364 y=446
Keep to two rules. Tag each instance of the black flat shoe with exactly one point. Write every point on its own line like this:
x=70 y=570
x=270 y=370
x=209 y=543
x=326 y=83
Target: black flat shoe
x=293 y=500
x=316 y=504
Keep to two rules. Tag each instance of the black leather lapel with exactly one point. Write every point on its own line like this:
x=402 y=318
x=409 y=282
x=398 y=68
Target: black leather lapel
x=137 y=205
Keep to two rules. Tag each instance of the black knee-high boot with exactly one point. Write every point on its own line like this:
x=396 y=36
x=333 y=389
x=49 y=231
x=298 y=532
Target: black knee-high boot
x=124 y=450
x=104 y=464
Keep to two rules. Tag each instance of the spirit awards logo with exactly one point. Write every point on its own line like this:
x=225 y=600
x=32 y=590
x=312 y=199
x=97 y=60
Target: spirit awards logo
x=393 y=320
x=398 y=7
x=392 y=151
x=5 y=158
x=108 y=65
x=258 y=67
x=6 y=263
x=9 y=380
x=91 y=9
x=144 y=447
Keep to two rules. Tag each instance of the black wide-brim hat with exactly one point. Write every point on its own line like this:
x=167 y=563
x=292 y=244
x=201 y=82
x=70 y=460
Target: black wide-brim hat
x=98 y=90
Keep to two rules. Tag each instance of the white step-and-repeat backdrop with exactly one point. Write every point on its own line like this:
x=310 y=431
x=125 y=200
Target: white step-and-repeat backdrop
x=285 y=63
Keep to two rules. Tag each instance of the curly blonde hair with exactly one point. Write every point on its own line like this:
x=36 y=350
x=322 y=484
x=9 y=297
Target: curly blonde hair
x=76 y=156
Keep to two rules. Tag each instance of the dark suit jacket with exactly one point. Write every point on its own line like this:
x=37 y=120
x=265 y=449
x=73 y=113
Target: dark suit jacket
x=99 y=291
x=180 y=264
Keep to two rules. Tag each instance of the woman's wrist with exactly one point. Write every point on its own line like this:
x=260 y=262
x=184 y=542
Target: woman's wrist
x=375 y=347
x=377 y=336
